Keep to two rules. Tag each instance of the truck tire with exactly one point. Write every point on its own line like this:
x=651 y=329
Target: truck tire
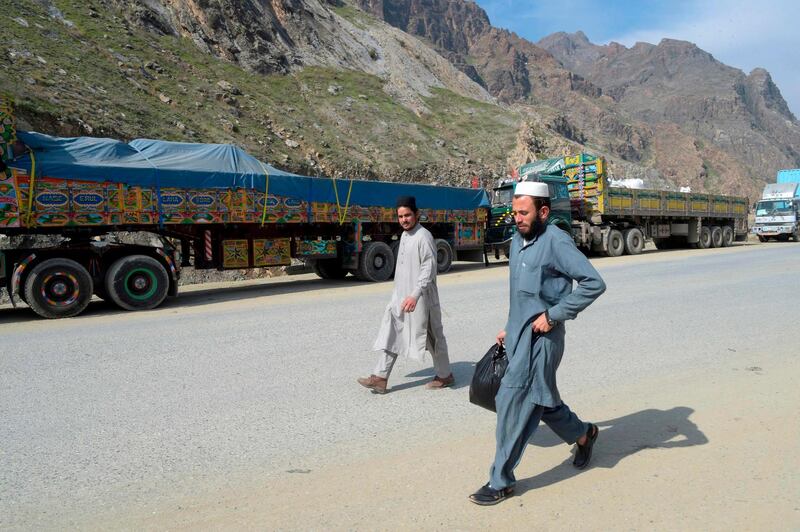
x=634 y=241
x=616 y=243
x=328 y=269
x=705 y=238
x=716 y=237
x=137 y=282
x=444 y=255
x=58 y=288
x=727 y=236
x=376 y=262
x=762 y=238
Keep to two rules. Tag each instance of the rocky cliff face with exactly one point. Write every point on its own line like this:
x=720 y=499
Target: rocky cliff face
x=279 y=36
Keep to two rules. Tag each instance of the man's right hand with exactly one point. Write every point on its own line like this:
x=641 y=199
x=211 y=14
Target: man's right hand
x=501 y=337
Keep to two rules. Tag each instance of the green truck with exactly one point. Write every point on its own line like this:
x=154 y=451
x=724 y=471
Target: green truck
x=615 y=220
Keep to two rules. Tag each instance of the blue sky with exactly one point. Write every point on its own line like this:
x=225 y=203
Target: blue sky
x=741 y=34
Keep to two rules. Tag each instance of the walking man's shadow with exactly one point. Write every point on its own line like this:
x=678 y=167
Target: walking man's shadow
x=622 y=437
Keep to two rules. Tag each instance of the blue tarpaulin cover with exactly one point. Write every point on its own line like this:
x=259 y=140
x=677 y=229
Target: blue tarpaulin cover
x=159 y=164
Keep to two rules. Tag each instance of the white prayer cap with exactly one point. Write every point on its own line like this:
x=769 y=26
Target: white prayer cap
x=536 y=189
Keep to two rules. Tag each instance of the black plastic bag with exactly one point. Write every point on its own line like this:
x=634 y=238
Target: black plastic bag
x=489 y=372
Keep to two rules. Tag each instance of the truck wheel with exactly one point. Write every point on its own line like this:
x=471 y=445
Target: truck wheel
x=727 y=236
x=137 y=282
x=762 y=238
x=634 y=241
x=58 y=288
x=616 y=243
x=444 y=255
x=716 y=236
x=328 y=269
x=705 y=238
x=376 y=262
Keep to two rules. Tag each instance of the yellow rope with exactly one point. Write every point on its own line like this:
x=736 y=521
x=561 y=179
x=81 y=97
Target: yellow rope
x=266 y=193
x=342 y=215
x=31 y=188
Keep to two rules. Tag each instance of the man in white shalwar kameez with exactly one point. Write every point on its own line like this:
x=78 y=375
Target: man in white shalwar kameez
x=412 y=322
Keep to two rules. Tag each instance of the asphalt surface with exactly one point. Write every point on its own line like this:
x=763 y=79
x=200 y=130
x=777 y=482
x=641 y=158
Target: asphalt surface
x=114 y=412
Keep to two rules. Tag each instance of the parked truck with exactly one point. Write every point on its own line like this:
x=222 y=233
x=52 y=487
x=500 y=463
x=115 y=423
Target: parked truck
x=210 y=206
x=615 y=220
x=778 y=211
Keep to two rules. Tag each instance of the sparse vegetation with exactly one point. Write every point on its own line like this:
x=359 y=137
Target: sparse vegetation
x=102 y=77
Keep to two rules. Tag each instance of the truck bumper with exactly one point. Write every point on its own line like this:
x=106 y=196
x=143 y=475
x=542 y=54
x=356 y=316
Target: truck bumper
x=773 y=230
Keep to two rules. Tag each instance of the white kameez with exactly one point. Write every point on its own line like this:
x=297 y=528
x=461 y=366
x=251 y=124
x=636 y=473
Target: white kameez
x=412 y=334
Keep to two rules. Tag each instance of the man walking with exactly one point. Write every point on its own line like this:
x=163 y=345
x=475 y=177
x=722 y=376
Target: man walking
x=412 y=322
x=543 y=264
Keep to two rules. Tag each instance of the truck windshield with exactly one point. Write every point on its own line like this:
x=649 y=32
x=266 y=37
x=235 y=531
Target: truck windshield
x=503 y=196
x=771 y=208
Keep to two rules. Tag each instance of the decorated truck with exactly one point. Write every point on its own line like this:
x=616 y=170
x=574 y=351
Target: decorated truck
x=615 y=220
x=210 y=206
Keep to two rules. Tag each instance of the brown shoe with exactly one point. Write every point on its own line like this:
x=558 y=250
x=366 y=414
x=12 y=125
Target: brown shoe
x=374 y=383
x=438 y=382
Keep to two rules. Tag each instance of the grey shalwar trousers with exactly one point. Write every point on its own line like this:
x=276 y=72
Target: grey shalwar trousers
x=386 y=360
x=517 y=420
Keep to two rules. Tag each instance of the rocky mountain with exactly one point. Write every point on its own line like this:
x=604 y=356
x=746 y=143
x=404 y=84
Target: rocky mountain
x=422 y=90
x=676 y=83
x=670 y=107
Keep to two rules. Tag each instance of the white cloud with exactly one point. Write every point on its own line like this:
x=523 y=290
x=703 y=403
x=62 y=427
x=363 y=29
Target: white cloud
x=743 y=35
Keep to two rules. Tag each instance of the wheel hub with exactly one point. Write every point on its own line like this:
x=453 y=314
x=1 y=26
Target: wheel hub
x=60 y=289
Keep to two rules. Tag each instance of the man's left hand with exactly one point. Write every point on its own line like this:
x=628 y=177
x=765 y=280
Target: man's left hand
x=540 y=324
x=409 y=304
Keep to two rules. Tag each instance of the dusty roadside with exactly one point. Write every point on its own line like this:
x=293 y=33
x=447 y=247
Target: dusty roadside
x=709 y=450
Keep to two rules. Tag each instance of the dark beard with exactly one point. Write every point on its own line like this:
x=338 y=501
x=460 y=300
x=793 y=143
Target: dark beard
x=536 y=229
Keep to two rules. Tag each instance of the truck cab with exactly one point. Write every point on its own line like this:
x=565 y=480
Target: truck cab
x=501 y=226
x=778 y=213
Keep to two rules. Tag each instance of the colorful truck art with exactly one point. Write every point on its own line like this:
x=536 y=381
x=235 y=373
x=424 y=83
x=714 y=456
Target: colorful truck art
x=65 y=202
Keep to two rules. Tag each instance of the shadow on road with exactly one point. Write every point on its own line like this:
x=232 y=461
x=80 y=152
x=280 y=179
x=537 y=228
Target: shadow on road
x=620 y=438
x=462 y=372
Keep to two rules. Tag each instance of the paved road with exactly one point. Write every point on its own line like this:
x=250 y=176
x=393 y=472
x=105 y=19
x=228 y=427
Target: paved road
x=114 y=415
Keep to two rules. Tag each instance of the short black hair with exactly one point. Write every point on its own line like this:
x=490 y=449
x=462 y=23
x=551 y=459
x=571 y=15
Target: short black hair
x=541 y=202
x=407 y=201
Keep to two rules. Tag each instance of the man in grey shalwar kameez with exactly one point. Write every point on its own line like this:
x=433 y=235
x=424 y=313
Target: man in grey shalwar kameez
x=412 y=322
x=543 y=264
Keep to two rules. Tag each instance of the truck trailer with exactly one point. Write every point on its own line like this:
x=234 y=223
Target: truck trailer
x=614 y=220
x=210 y=206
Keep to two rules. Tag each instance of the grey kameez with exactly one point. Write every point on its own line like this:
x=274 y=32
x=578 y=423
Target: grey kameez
x=541 y=278
x=414 y=333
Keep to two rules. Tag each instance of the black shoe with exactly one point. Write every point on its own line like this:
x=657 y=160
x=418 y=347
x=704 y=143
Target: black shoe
x=486 y=496
x=583 y=453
